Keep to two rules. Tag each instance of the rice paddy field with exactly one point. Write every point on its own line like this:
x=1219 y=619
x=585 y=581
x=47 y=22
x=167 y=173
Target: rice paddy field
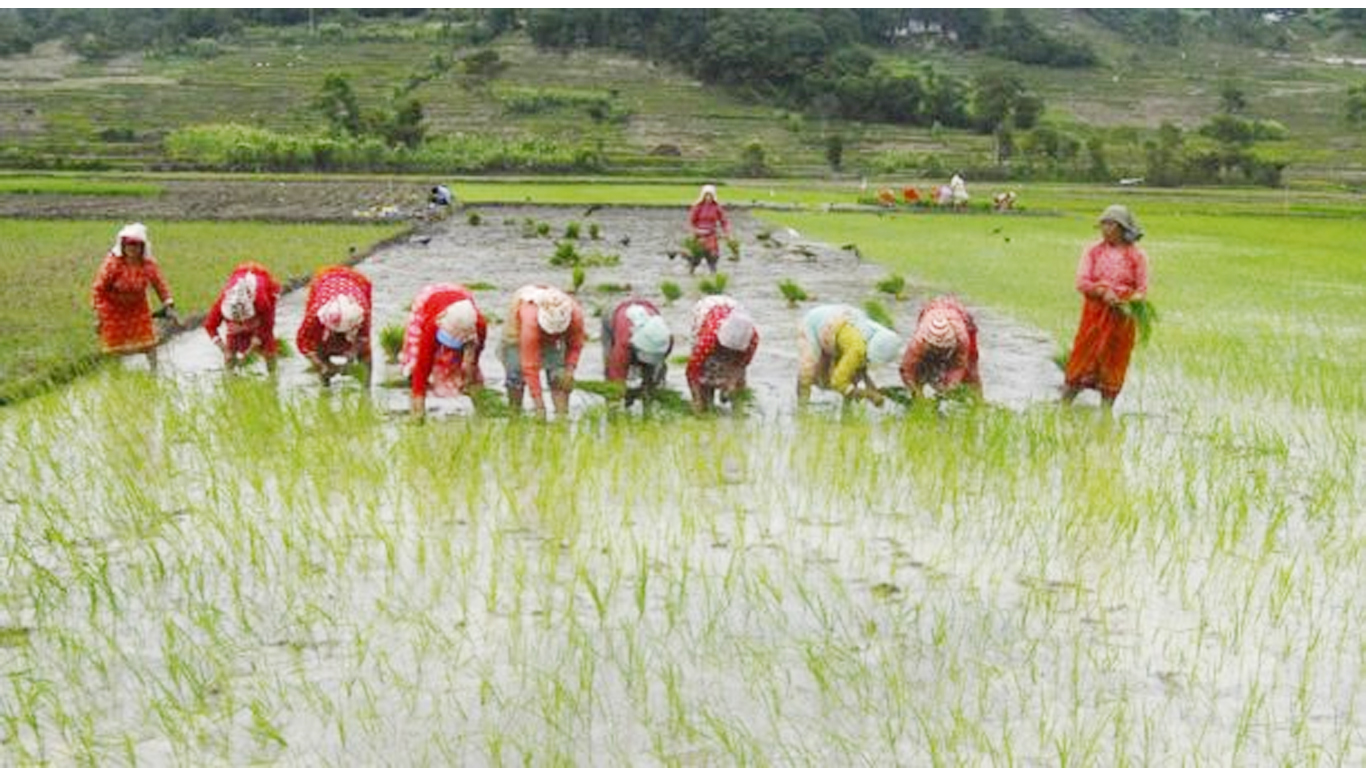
x=226 y=570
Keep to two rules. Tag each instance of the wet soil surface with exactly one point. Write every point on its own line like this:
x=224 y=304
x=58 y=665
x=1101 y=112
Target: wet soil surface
x=1016 y=361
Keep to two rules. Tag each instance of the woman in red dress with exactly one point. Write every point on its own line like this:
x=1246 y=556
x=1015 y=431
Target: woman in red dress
x=120 y=296
x=1111 y=273
x=243 y=318
x=724 y=343
x=442 y=344
x=336 y=322
x=707 y=218
x=943 y=350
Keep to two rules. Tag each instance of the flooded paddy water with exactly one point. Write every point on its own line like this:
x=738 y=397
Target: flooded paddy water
x=222 y=570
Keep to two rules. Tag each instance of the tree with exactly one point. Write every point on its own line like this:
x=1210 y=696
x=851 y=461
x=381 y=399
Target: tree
x=834 y=150
x=338 y=103
x=1232 y=100
x=1356 y=106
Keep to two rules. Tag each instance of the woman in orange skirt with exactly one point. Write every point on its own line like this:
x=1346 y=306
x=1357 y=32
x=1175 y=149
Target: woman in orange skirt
x=120 y=296
x=1112 y=273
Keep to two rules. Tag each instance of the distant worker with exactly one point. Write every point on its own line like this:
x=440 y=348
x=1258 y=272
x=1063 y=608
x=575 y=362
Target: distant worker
x=910 y=195
x=1003 y=201
x=442 y=343
x=440 y=196
x=943 y=350
x=544 y=332
x=1111 y=274
x=724 y=342
x=708 y=219
x=242 y=319
x=119 y=295
x=958 y=192
x=836 y=343
x=335 y=331
x=885 y=198
x=636 y=343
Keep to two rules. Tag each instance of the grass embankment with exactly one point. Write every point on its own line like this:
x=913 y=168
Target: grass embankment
x=46 y=269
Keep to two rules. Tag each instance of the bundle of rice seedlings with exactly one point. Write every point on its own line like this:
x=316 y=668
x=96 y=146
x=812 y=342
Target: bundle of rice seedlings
x=1144 y=314
x=566 y=255
x=474 y=219
x=792 y=292
x=716 y=284
x=879 y=313
x=571 y=231
x=695 y=250
x=391 y=341
x=895 y=285
x=579 y=276
x=733 y=246
x=671 y=291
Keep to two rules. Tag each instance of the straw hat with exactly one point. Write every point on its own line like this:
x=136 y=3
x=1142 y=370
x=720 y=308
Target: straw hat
x=1126 y=221
x=341 y=314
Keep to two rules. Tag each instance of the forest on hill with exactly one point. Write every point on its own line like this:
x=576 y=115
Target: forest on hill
x=1215 y=96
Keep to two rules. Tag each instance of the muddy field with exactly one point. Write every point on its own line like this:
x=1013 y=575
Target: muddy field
x=1016 y=361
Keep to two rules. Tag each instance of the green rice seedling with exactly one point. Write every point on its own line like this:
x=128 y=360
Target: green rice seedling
x=543 y=229
x=671 y=291
x=594 y=231
x=879 y=314
x=713 y=285
x=1145 y=317
x=694 y=250
x=481 y=285
x=894 y=286
x=571 y=231
x=793 y=292
x=474 y=219
x=733 y=246
x=579 y=276
x=391 y=341
x=566 y=255
x=613 y=288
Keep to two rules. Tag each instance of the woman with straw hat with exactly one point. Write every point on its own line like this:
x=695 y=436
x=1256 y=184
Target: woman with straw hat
x=442 y=343
x=242 y=319
x=336 y=322
x=544 y=332
x=119 y=295
x=1111 y=274
x=724 y=343
x=636 y=343
x=943 y=350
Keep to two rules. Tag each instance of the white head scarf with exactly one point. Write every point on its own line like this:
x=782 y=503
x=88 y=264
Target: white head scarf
x=554 y=310
x=736 y=331
x=459 y=321
x=884 y=346
x=707 y=189
x=137 y=233
x=342 y=314
x=239 y=301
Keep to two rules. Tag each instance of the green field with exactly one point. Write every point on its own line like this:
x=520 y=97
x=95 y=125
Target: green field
x=237 y=574
x=47 y=268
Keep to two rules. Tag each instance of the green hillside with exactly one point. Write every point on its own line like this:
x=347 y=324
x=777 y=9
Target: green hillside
x=607 y=111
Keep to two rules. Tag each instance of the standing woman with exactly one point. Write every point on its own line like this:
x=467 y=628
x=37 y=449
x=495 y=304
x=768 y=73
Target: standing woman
x=442 y=344
x=336 y=322
x=707 y=217
x=243 y=317
x=1111 y=274
x=120 y=296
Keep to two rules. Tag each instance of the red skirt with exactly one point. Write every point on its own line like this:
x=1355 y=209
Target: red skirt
x=1101 y=350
